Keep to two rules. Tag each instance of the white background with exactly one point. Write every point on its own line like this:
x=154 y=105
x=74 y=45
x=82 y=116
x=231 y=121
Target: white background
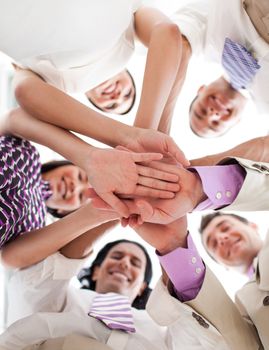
x=199 y=73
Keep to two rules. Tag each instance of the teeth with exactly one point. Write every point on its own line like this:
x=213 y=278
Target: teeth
x=121 y=275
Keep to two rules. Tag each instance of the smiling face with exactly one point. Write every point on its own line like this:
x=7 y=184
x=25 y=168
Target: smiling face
x=69 y=185
x=116 y=95
x=122 y=271
x=216 y=109
x=232 y=242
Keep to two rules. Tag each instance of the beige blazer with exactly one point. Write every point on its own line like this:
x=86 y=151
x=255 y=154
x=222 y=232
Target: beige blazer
x=215 y=306
x=253 y=299
x=258 y=12
x=254 y=194
x=70 y=342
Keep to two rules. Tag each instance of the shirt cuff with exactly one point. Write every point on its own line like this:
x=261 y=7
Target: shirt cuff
x=221 y=184
x=185 y=270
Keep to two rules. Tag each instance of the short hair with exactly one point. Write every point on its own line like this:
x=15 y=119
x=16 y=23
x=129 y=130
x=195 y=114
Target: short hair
x=48 y=166
x=132 y=104
x=206 y=219
x=85 y=275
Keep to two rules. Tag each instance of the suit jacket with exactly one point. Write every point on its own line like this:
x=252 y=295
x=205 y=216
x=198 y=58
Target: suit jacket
x=253 y=299
x=70 y=342
x=258 y=12
x=254 y=193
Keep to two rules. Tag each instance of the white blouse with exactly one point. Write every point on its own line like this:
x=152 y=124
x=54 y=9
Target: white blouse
x=73 y=45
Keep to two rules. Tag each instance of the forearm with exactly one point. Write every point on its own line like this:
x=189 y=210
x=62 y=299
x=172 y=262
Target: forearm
x=255 y=149
x=19 y=123
x=82 y=246
x=166 y=118
x=34 y=246
x=51 y=105
x=163 y=39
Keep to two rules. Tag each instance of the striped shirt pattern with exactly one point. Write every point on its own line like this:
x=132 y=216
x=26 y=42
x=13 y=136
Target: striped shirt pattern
x=22 y=191
x=114 y=310
x=239 y=64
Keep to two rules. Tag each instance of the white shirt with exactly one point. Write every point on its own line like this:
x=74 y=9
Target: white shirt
x=206 y=24
x=59 y=309
x=75 y=44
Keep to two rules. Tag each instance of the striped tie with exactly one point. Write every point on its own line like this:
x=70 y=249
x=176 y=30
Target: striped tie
x=114 y=310
x=239 y=64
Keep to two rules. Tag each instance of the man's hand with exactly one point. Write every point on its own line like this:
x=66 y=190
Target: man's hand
x=148 y=140
x=165 y=238
x=112 y=171
x=164 y=211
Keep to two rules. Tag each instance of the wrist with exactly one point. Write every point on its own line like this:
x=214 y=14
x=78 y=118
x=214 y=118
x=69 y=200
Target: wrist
x=176 y=238
x=198 y=193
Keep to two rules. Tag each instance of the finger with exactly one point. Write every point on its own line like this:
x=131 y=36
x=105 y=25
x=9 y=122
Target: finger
x=133 y=221
x=99 y=203
x=124 y=222
x=122 y=148
x=146 y=157
x=158 y=184
x=146 y=210
x=91 y=193
x=115 y=204
x=176 y=152
x=157 y=174
x=152 y=193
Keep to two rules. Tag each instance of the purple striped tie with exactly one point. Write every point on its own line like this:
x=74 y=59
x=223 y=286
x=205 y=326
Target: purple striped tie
x=114 y=310
x=239 y=64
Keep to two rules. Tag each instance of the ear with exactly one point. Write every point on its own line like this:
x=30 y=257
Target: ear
x=201 y=89
x=254 y=226
x=95 y=274
x=142 y=288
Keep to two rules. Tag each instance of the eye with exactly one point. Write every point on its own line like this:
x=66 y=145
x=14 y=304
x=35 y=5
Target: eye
x=80 y=176
x=136 y=263
x=81 y=197
x=128 y=94
x=111 y=106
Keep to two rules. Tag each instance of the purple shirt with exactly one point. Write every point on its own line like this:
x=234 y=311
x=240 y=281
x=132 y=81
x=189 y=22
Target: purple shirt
x=184 y=266
x=22 y=191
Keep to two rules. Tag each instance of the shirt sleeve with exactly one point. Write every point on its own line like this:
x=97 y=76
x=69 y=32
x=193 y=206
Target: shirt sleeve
x=191 y=20
x=185 y=269
x=221 y=184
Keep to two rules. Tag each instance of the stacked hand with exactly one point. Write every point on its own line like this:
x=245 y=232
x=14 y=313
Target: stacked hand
x=164 y=211
x=113 y=172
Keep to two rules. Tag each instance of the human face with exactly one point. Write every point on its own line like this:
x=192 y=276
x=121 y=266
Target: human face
x=69 y=185
x=115 y=95
x=232 y=242
x=122 y=271
x=216 y=109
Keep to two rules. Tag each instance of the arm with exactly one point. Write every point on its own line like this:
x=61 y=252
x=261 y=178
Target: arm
x=53 y=106
x=232 y=329
x=82 y=246
x=256 y=149
x=34 y=246
x=164 y=74
x=98 y=163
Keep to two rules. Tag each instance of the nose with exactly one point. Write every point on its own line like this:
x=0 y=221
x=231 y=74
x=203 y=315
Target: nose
x=223 y=239
x=125 y=262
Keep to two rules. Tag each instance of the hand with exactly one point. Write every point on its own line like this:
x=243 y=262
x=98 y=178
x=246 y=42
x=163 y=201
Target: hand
x=112 y=171
x=165 y=238
x=148 y=140
x=164 y=211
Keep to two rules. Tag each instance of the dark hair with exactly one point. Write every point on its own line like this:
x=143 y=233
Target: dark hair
x=85 y=275
x=208 y=218
x=132 y=104
x=48 y=166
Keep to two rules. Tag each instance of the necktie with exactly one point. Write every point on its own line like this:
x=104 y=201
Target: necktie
x=114 y=310
x=239 y=64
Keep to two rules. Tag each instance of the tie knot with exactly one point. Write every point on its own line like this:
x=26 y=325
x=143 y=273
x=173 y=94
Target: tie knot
x=239 y=64
x=114 y=310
